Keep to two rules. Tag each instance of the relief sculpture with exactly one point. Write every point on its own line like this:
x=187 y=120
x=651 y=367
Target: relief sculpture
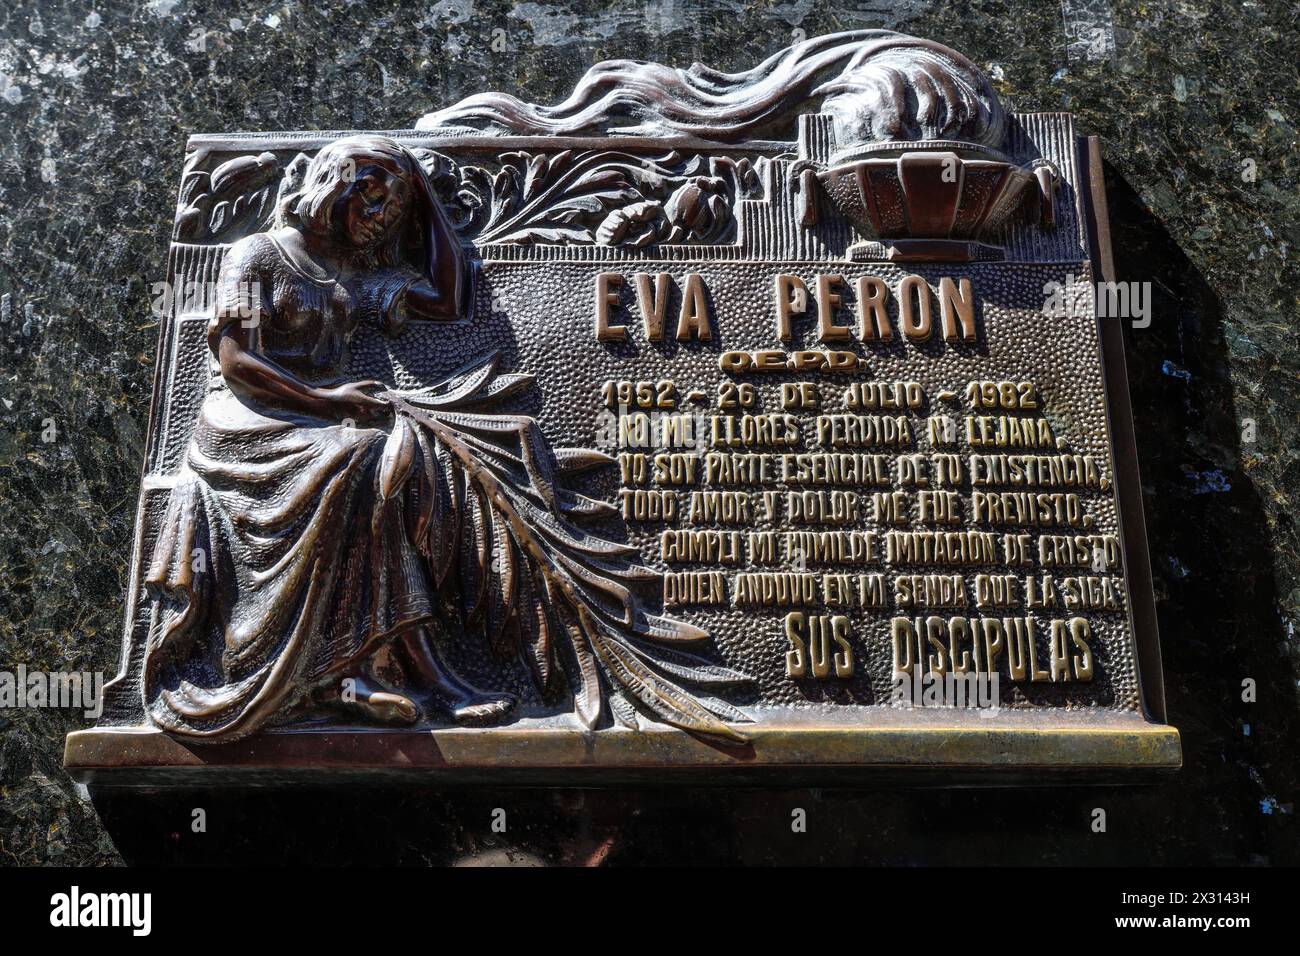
x=701 y=420
x=320 y=522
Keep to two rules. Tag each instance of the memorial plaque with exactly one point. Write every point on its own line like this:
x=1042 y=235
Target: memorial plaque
x=750 y=424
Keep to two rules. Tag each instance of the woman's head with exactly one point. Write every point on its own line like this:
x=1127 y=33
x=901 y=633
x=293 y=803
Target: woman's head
x=362 y=193
x=369 y=198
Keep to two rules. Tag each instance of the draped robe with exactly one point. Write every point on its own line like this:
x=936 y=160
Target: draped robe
x=278 y=565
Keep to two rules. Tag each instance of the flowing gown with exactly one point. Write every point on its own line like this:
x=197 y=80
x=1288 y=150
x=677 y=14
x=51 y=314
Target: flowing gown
x=278 y=564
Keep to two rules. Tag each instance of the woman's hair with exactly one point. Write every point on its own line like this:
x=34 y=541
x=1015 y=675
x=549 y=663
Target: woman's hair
x=334 y=168
x=422 y=238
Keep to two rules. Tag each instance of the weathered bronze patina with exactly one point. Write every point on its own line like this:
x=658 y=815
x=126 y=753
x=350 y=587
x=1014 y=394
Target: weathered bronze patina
x=713 y=422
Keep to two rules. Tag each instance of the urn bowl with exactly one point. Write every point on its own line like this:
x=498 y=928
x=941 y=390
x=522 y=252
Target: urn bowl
x=935 y=190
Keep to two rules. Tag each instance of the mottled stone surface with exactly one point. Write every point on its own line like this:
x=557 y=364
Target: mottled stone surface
x=1199 y=105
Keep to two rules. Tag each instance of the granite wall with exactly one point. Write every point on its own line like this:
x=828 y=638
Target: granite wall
x=1198 y=104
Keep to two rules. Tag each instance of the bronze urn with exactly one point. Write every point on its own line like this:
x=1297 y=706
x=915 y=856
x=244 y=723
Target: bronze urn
x=931 y=200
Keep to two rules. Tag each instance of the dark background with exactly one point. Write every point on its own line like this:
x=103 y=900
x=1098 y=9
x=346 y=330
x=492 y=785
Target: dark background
x=96 y=100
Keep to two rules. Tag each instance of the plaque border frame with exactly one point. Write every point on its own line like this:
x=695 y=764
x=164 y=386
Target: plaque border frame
x=931 y=749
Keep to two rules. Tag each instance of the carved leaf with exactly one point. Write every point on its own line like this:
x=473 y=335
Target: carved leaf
x=193 y=184
x=220 y=214
x=244 y=174
x=534 y=175
x=545 y=234
x=623 y=710
x=464 y=191
x=535 y=629
x=569 y=461
x=564 y=198
x=397 y=460
x=231 y=199
x=593 y=197
x=189 y=224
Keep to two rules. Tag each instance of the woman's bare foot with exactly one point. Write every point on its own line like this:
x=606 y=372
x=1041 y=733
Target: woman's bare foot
x=478 y=708
x=372 y=702
x=445 y=694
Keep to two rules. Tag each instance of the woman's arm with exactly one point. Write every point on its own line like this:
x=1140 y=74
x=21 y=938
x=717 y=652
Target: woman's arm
x=399 y=297
x=232 y=338
x=445 y=295
x=257 y=377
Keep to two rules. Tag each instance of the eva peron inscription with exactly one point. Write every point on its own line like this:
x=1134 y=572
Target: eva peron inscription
x=704 y=421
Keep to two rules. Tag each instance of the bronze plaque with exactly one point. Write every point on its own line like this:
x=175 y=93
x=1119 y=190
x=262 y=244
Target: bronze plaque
x=701 y=422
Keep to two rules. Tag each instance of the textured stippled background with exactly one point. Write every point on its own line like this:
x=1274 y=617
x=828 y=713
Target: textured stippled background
x=1198 y=105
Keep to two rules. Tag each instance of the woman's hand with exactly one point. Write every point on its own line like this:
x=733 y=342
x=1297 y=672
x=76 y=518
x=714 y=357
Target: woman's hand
x=352 y=400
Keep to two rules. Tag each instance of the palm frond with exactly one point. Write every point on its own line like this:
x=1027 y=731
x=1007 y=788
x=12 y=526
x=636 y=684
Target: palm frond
x=498 y=530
